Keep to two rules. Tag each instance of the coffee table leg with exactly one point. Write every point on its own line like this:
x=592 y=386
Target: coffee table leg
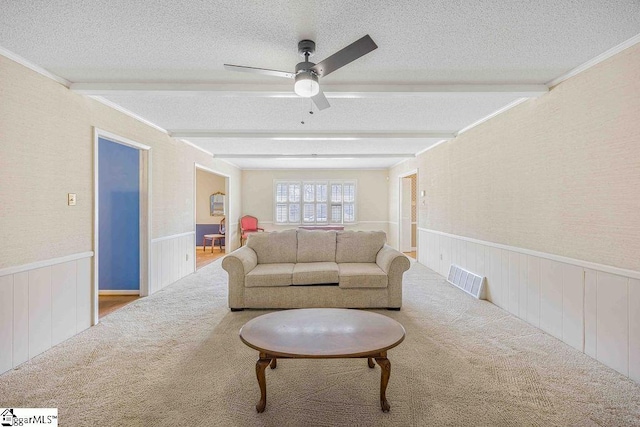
x=274 y=363
x=385 y=365
x=261 y=365
x=370 y=362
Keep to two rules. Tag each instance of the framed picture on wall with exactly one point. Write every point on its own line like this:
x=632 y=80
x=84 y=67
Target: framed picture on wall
x=217 y=204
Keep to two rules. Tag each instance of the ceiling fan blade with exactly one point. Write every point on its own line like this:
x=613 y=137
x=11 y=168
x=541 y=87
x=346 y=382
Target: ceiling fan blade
x=321 y=101
x=264 y=71
x=349 y=54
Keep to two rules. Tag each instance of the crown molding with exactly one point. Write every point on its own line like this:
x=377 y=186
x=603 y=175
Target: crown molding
x=492 y=115
x=197 y=147
x=595 y=61
x=127 y=112
x=22 y=61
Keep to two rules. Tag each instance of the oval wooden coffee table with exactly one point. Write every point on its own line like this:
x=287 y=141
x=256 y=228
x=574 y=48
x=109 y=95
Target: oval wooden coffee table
x=322 y=333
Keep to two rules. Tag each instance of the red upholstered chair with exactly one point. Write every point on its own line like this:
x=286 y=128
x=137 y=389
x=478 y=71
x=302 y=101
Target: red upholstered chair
x=248 y=225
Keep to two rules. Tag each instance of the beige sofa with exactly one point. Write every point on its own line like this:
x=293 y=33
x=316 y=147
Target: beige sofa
x=303 y=268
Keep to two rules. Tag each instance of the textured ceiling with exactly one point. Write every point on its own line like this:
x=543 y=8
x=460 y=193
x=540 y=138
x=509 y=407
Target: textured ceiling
x=430 y=42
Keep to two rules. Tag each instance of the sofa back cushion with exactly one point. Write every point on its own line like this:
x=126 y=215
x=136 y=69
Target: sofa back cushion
x=274 y=247
x=316 y=246
x=359 y=246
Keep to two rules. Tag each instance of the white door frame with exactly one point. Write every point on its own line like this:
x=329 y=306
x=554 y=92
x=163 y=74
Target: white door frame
x=196 y=166
x=400 y=201
x=145 y=213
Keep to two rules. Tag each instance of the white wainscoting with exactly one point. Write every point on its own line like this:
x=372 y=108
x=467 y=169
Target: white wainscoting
x=593 y=308
x=43 y=304
x=172 y=258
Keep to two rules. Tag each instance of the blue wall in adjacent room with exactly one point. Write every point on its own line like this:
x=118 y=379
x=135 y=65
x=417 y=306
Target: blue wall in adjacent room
x=119 y=216
x=202 y=229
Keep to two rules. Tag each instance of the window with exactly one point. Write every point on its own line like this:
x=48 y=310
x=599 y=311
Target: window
x=315 y=202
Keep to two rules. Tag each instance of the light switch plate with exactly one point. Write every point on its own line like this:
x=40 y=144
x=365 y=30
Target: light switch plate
x=71 y=199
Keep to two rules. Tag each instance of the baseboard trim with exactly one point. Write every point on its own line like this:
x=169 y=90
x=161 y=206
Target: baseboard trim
x=581 y=263
x=119 y=292
x=45 y=263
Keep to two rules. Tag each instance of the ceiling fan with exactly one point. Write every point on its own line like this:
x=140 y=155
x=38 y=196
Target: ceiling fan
x=307 y=73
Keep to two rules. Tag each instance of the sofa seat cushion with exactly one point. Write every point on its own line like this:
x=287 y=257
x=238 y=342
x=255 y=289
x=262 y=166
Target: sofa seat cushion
x=316 y=246
x=313 y=273
x=362 y=275
x=358 y=246
x=264 y=275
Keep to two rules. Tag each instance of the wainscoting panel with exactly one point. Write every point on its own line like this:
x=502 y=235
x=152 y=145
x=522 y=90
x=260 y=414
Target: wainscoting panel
x=494 y=277
x=612 y=330
x=155 y=255
x=471 y=255
x=63 y=302
x=504 y=280
x=551 y=297
x=583 y=304
x=20 y=318
x=634 y=329
x=573 y=306
x=43 y=304
x=6 y=323
x=533 y=290
x=590 y=312
x=172 y=258
x=514 y=283
x=445 y=250
x=523 y=292
x=84 y=290
x=39 y=311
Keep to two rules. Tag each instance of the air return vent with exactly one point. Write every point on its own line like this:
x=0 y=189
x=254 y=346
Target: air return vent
x=467 y=281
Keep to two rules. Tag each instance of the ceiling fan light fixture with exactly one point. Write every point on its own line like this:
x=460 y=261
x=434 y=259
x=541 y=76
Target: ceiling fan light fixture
x=306 y=84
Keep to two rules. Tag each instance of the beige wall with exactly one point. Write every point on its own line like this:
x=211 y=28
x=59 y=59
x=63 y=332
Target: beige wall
x=46 y=151
x=372 y=208
x=207 y=183
x=559 y=174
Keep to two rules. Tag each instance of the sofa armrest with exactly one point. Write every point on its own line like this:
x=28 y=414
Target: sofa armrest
x=386 y=257
x=238 y=263
x=394 y=263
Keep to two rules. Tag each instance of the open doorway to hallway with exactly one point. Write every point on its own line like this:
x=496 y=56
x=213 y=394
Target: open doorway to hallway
x=408 y=214
x=211 y=204
x=121 y=222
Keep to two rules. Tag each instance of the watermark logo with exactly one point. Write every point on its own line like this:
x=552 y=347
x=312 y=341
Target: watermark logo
x=10 y=417
x=6 y=417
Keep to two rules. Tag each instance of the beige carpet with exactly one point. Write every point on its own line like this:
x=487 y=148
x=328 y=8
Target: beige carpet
x=175 y=359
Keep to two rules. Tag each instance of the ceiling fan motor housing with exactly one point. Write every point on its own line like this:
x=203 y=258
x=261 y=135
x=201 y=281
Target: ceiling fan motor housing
x=304 y=66
x=306 y=48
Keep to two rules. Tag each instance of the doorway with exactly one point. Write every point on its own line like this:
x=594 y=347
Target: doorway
x=121 y=222
x=211 y=215
x=407 y=215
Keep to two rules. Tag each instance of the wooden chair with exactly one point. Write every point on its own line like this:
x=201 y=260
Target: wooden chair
x=248 y=225
x=214 y=237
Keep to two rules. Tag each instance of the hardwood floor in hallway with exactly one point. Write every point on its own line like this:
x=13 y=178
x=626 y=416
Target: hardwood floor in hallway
x=109 y=303
x=412 y=254
x=205 y=257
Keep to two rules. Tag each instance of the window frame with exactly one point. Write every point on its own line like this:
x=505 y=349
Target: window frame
x=328 y=203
